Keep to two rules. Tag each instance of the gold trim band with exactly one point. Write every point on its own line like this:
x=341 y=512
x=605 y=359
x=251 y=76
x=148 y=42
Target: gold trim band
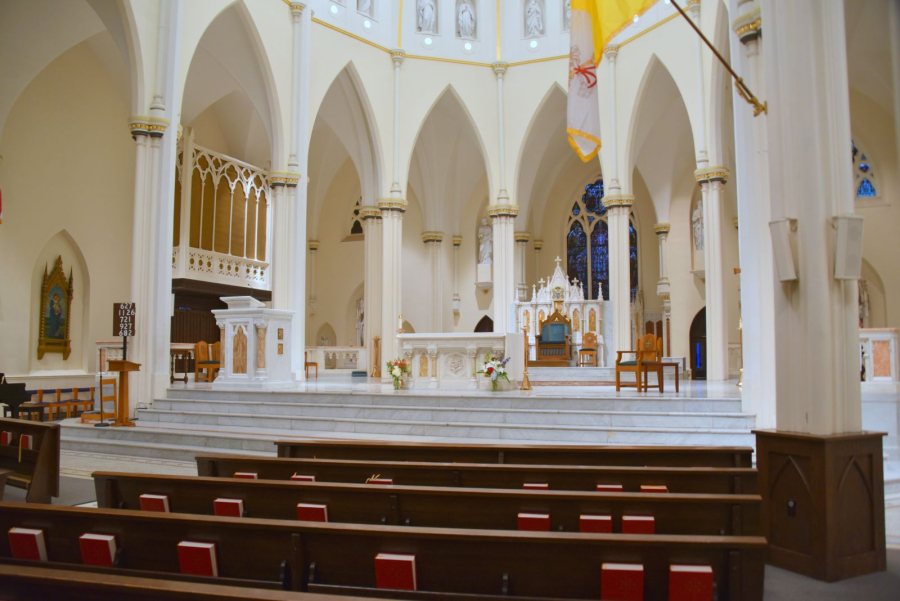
x=538 y=244
x=522 y=237
x=432 y=236
x=712 y=174
x=503 y=210
x=457 y=240
x=284 y=178
x=618 y=200
x=313 y=245
x=392 y=204
x=370 y=212
x=662 y=228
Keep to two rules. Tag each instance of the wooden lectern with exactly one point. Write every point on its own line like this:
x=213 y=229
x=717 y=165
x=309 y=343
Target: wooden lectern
x=123 y=368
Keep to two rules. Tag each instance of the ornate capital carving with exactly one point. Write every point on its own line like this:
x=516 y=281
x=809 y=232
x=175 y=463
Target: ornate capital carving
x=662 y=228
x=392 y=204
x=499 y=67
x=313 y=245
x=611 y=52
x=432 y=237
x=748 y=26
x=397 y=55
x=154 y=127
x=296 y=7
x=522 y=237
x=284 y=178
x=457 y=240
x=503 y=210
x=715 y=173
x=618 y=200
x=538 y=244
x=370 y=212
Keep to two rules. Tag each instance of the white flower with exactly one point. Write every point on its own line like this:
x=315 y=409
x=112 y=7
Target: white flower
x=395 y=372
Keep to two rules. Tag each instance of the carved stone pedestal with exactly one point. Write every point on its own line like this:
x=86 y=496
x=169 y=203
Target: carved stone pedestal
x=823 y=502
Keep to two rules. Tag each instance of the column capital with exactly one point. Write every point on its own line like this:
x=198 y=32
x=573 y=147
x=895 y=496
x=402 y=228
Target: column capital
x=748 y=26
x=392 y=204
x=140 y=125
x=694 y=7
x=284 y=178
x=522 y=236
x=432 y=237
x=499 y=67
x=457 y=240
x=538 y=244
x=296 y=7
x=397 y=55
x=611 y=51
x=715 y=173
x=662 y=228
x=618 y=200
x=503 y=210
x=313 y=245
x=370 y=212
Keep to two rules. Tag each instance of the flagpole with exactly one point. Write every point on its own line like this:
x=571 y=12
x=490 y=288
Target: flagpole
x=742 y=88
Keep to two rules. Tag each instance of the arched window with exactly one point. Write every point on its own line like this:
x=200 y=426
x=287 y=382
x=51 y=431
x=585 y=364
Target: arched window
x=590 y=262
x=864 y=175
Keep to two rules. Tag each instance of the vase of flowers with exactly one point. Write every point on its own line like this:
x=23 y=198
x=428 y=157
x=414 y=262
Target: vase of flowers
x=495 y=369
x=399 y=369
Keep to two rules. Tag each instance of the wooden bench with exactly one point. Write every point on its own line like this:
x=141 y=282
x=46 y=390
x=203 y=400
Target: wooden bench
x=339 y=558
x=34 y=581
x=4 y=474
x=38 y=469
x=700 y=480
x=436 y=507
x=524 y=454
x=55 y=401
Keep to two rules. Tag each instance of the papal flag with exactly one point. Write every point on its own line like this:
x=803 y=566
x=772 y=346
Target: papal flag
x=593 y=23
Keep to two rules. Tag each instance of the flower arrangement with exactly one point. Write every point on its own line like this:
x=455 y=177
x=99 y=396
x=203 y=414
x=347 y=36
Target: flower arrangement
x=495 y=369
x=398 y=368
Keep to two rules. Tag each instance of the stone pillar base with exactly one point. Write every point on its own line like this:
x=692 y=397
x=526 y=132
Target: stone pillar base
x=823 y=502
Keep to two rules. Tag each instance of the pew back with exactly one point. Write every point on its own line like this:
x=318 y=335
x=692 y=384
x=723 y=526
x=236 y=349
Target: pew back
x=486 y=475
x=524 y=454
x=436 y=507
x=36 y=470
x=339 y=558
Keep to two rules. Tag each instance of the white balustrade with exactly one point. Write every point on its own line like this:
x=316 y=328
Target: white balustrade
x=338 y=357
x=210 y=266
x=880 y=358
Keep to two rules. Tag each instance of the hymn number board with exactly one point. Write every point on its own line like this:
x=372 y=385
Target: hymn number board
x=123 y=319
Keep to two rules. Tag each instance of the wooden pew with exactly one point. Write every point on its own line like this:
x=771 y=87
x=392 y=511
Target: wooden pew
x=33 y=581
x=524 y=454
x=436 y=507
x=339 y=558
x=38 y=470
x=487 y=475
x=4 y=474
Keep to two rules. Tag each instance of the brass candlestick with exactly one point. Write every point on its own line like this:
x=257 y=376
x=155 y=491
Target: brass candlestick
x=526 y=384
x=376 y=369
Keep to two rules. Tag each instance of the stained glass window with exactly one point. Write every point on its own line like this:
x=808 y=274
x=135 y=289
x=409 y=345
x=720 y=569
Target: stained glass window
x=600 y=261
x=863 y=173
x=576 y=250
x=593 y=198
x=633 y=250
x=576 y=210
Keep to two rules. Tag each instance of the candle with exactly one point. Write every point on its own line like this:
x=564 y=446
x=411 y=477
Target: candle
x=400 y=322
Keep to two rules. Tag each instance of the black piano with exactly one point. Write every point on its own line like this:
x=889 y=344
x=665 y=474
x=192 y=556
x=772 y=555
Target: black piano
x=14 y=395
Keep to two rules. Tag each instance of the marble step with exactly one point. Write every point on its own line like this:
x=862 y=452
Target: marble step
x=544 y=432
x=272 y=413
x=577 y=374
x=666 y=402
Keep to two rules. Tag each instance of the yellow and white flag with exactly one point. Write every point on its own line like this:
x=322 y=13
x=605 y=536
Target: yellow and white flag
x=593 y=23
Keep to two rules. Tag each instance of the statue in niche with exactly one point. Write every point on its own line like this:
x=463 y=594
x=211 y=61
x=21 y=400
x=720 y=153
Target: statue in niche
x=465 y=19
x=567 y=15
x=534 y=19
x=239 y=358
x=697 y=219
x=592 y=321
x=863 y=303
x=425 y=16
x=364 y=7
x=485 y=244
x=360 y=323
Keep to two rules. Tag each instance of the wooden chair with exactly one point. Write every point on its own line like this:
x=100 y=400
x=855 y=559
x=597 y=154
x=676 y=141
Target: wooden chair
x=649 y=349
x=307 y=364
x=553 y=340
x=108 y=394
x=587 y=355
x=207 y=356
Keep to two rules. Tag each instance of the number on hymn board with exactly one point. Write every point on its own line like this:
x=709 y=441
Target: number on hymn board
x=123 y=319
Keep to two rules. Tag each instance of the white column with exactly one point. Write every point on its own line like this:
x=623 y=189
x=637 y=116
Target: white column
x=187 y=162
x=619 y=207
x=432 y=242
x=702 y=159
x=502 y=221
x=662 y=286
x=521 y=239
x=155 y=159
x=397 y=58
x=295 y=195
x=811 y=181
x=392 y=245
x=372 y=285
x=754 y=214
x=457 y=240
x=712 y=181
x=313 y=247
x=538 y=245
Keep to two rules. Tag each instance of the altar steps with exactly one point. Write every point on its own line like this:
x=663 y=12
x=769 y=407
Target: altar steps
x=196 y=421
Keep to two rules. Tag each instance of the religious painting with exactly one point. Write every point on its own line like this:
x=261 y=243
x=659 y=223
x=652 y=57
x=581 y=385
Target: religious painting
x=526 y=321
x=592 y=321
x=55 y=312
x=541 y=317
x=280 y=349
x=280 y=333
x=239 y=356
x=423 y=365
x=576 y=320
